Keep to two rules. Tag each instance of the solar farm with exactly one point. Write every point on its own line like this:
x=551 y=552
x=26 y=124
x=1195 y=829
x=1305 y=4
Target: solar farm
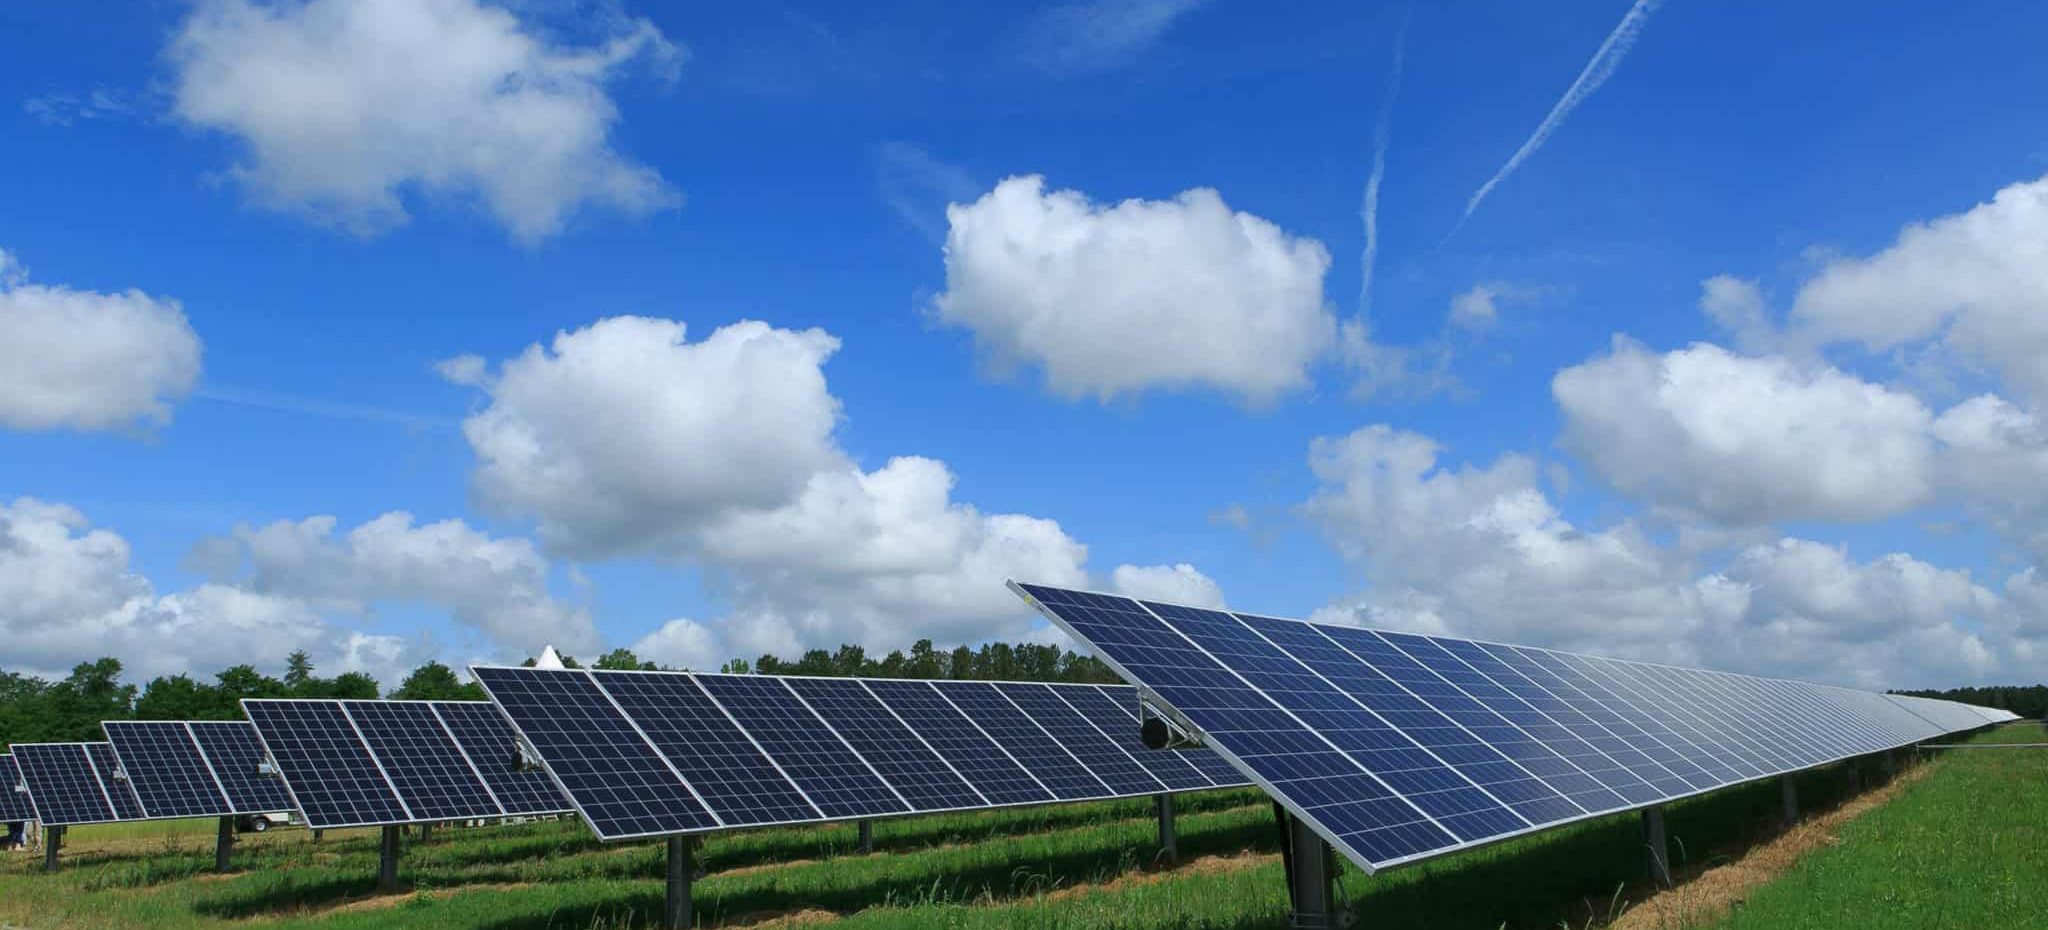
x=1251 y=772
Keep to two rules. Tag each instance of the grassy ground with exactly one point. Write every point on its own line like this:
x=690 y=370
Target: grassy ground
x=1069 y=866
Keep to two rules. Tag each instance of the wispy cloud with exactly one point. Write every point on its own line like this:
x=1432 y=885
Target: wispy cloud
x=65 y=109
x=313 y=406
x=919 y=187
x=1596 y=73
x=1096 y=35
x=1382 y=133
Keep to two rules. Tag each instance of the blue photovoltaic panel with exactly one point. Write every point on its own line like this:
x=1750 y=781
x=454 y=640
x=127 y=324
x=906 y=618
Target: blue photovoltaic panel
x=978 y=759
x=324 y=763
x=61 y=784
x=237 y=759
x=618 y=781
x=1508 y=724
x=492 y=747
x=1550 y=736
x=1101 y=756
x=1025 y=741
x=1385 y=681
x=166 y=770
x=733 y=776
x=1171 y=767
x=126 y=807
x=898 y=755
x=822 y=765
x=421 y=760
x=14 y=804
x=1355 y=811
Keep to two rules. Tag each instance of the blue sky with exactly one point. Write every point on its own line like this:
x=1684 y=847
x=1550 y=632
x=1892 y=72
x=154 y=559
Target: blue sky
x=331 y=234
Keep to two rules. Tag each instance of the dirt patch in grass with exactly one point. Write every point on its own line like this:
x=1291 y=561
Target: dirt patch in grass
x=1710 y=895
x=774 y=920
x=397 y=898
x=1206 y=865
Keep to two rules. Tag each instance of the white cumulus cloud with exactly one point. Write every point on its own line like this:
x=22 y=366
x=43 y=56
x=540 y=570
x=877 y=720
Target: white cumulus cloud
x=1117 y=299
x=344 y=109
x=1740 y=439
x=85 y=360
x=1179 y=583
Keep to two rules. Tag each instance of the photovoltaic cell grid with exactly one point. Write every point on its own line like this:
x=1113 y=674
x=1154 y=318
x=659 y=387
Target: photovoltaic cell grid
x=237 y=758
x=14 y=804
x=73 y=783
x=370 y=763
x=653 y=753
x=164 y=766
x=1397 y=747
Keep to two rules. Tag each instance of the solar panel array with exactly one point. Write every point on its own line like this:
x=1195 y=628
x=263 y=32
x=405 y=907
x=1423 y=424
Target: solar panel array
x=180 y=769
x=74 y=783
x=661 y=753
x=14 y=803
x=1397 y=747
x=374 y=763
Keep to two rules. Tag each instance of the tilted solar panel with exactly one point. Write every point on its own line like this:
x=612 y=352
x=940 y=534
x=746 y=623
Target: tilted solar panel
x=742 y=750
x=164 y=765
x=14 y=803
x=236 y=755
x=331 y=775
x=1396 y=747
x=422 y=761
x=64 y=788
x=491 y=746
x=108 y=768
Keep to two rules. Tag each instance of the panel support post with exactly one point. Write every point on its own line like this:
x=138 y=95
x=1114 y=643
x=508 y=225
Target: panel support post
x=222 y=842
x=1891 y=765
x=316 y=835
x=682 y=867
x=53 y=839
x=867 y=837
x=1169 y=839
x=1790 y=791
x=1855 y=776
x=387 y=860
x=1308 y=878
x=426 y=833
x=1660 y=849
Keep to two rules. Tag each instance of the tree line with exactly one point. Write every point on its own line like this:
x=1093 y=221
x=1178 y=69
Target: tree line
x=2024 y=700
x=35 y=710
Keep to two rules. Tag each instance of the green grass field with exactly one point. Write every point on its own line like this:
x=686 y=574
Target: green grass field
x=1963 y=847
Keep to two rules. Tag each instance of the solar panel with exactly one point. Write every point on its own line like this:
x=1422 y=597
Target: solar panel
x=236 y=756
x=421 y=760
x=493 y=749
x=14 y=803
x=1396 y=747
x=1103 y=758
x=993 y=772
x=1215 y=768
x=839 y=782
x=63 y=786
x=108 y=769
x=1041 y=755
x=320 y=754
x=164 y=766
x=742 y=750
x=731 y=773
x=606 y=767
x=1171 y=768
x=898 y=754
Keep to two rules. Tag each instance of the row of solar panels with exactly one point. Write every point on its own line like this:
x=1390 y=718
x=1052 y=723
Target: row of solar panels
x=663 y=753
x=1397 y=747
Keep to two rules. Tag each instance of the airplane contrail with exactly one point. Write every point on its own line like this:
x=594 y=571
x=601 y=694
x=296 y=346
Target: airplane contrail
x=1369 y=210
x=1596 y=73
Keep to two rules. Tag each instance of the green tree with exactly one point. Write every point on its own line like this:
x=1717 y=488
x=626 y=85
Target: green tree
x=91 y=693
x=354 y=686
x=436 y=682
x=178 y=697
x=298 y=674
x=925 y=662
x=623 y=660
x=736 y=667
x=961 y=666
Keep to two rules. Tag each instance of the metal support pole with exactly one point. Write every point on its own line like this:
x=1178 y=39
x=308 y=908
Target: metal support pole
x=1891 y=765
x=1169 y=839
x=222 y=843
x=317 y=834
x=1309 y=879
x=681 y=869
x=53 y=839
x=1791 y=795
x=387 y=860
x=867 y=837
x=426 y=833
x=1855 y=776
x=1660 y=850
